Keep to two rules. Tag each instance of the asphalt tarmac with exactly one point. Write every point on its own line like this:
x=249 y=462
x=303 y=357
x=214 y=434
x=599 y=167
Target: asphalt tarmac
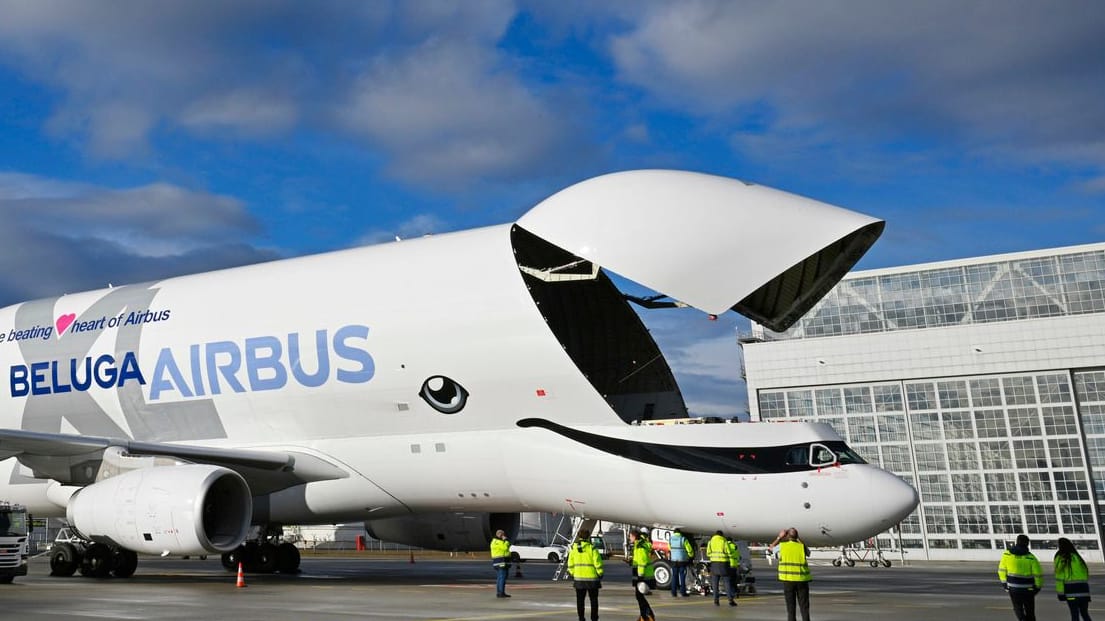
x=443 y=589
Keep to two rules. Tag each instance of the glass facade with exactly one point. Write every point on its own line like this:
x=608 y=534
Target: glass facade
x=1027 y=288
x=992 y=456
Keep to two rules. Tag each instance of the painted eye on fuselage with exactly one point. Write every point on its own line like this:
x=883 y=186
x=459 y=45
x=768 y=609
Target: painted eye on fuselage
x=443 y=394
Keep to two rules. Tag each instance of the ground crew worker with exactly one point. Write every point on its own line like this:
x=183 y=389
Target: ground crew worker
x=585 y=567
x=680 y=555
x=717 y=551
x=500 y=560
x=794 y=572
x=643 y=572
x=734 y=569
x=1020 y=574
x=1072 y=580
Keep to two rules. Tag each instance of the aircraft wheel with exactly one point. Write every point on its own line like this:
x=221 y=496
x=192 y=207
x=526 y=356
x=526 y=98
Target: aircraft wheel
x=249 y=554
x=287 y=558
x=98 y=561
x=126 y=561
x=231 y=559
x=662 y=574
x=849 y=562
x=64 y=560
x=266 y=558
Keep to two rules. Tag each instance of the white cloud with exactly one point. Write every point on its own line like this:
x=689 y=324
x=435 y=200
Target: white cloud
x=1017 y=79
x=445 y=110
x=422 y=83
x=64 y=237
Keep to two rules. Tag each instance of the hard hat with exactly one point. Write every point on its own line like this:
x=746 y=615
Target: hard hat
x=644 y=530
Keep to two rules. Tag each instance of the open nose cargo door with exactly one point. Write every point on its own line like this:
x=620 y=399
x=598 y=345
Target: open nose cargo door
x=712 y=242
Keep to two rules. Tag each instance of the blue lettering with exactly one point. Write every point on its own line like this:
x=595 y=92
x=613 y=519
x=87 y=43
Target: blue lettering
x=38 y=378
x=197 y=376
x=166 y=364
x=58 y=386
x=255 y=363
x=104 y=371
x=323 y=355
x=79 y=384
x=130 y=370
x=20 y=385
x=354 y=354
x=228 y=369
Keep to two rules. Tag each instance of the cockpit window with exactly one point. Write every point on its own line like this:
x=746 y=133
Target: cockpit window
x=821 y=456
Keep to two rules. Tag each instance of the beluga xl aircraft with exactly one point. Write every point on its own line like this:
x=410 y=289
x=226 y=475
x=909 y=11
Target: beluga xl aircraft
x=434 y=387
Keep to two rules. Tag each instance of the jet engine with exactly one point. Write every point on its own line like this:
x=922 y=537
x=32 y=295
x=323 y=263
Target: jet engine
x=185 y=509
x=461 y=532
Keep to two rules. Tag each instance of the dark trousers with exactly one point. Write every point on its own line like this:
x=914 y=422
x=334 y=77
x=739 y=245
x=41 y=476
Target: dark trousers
x=717 y=572
x=500 y=579
x=797 y=593
x=1079 y=607
x=642 y=603
x=593 y=594
x=679 y=578
x=1024 y=604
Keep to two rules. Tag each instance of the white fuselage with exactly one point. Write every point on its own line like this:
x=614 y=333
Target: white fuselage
x=326 y=356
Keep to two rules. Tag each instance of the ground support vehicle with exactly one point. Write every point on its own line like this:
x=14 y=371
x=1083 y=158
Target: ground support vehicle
x=14 y=530
x=863 y=552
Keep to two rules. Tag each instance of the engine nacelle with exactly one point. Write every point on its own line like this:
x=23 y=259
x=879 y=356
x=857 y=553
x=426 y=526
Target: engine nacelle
x=186 y=509
x=461 y=532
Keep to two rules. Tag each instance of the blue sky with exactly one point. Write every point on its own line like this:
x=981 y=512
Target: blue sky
x=140 y=140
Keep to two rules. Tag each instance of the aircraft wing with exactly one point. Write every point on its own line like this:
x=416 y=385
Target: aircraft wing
x=75 y=459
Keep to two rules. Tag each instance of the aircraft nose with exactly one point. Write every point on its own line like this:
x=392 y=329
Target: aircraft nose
x=895 y=498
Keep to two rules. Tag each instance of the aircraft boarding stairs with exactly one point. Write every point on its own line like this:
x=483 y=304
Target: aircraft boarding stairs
x=578 y=524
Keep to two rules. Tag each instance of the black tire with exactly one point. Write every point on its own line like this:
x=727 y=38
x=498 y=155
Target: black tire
x=874 y=563
x=662 y=574
x=514 y=558
x=849 y=562
x=249 y=552
x=266 y=559
x=64 y=560
x=885 y=562
x=6 y=579
x=231 y=559
x=836 y=562
x=287 y=558
x=126 y=561
x=554 y=557
x=98 y=561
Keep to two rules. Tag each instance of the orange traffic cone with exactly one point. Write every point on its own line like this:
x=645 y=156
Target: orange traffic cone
x=241 y=577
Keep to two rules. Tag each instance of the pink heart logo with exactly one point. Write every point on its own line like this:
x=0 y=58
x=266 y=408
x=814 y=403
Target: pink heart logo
x=64 y=322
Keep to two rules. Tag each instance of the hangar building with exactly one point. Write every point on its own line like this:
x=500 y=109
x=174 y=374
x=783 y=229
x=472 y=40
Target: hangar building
x=980 y=381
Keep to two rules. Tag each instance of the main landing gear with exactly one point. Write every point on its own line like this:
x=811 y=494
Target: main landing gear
x=264 y=554
x=93 y=560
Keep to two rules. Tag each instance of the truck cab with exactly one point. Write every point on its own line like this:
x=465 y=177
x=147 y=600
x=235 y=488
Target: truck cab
x=14 y=528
